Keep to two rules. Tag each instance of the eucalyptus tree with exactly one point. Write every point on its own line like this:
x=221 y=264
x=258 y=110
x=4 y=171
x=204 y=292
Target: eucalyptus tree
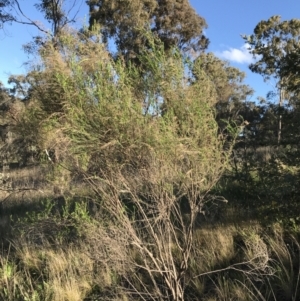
x=175 y=23
x=274 y=43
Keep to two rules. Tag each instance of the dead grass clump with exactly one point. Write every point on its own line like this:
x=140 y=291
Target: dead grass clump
x=69 y=275
x=215 y=246
x=285 y=252
x=49 y=274
x=270 y=270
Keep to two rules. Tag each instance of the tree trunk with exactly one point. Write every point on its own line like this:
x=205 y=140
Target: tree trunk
x=280 y=116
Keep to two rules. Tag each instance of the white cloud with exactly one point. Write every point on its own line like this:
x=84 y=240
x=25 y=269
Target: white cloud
x=241 y=55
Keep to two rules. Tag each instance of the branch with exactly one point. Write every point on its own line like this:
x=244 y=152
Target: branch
x=235 y=266
x=31 y=22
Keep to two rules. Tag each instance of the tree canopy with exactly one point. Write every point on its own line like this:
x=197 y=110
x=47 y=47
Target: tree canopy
x=276 y=44
x=175 y=23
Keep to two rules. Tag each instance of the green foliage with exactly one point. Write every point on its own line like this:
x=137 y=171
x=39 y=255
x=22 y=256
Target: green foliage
x=107 y=106
x=175 y=23
x=273 y=40
x=5 y=12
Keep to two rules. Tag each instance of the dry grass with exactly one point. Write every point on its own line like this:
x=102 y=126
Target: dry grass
x=28 y=185
x=64 y=272
x=286 y=255
x=102 y=258
x=216 y=245
x=61 y=275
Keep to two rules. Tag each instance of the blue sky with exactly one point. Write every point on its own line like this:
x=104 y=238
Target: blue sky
x=226 y=20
